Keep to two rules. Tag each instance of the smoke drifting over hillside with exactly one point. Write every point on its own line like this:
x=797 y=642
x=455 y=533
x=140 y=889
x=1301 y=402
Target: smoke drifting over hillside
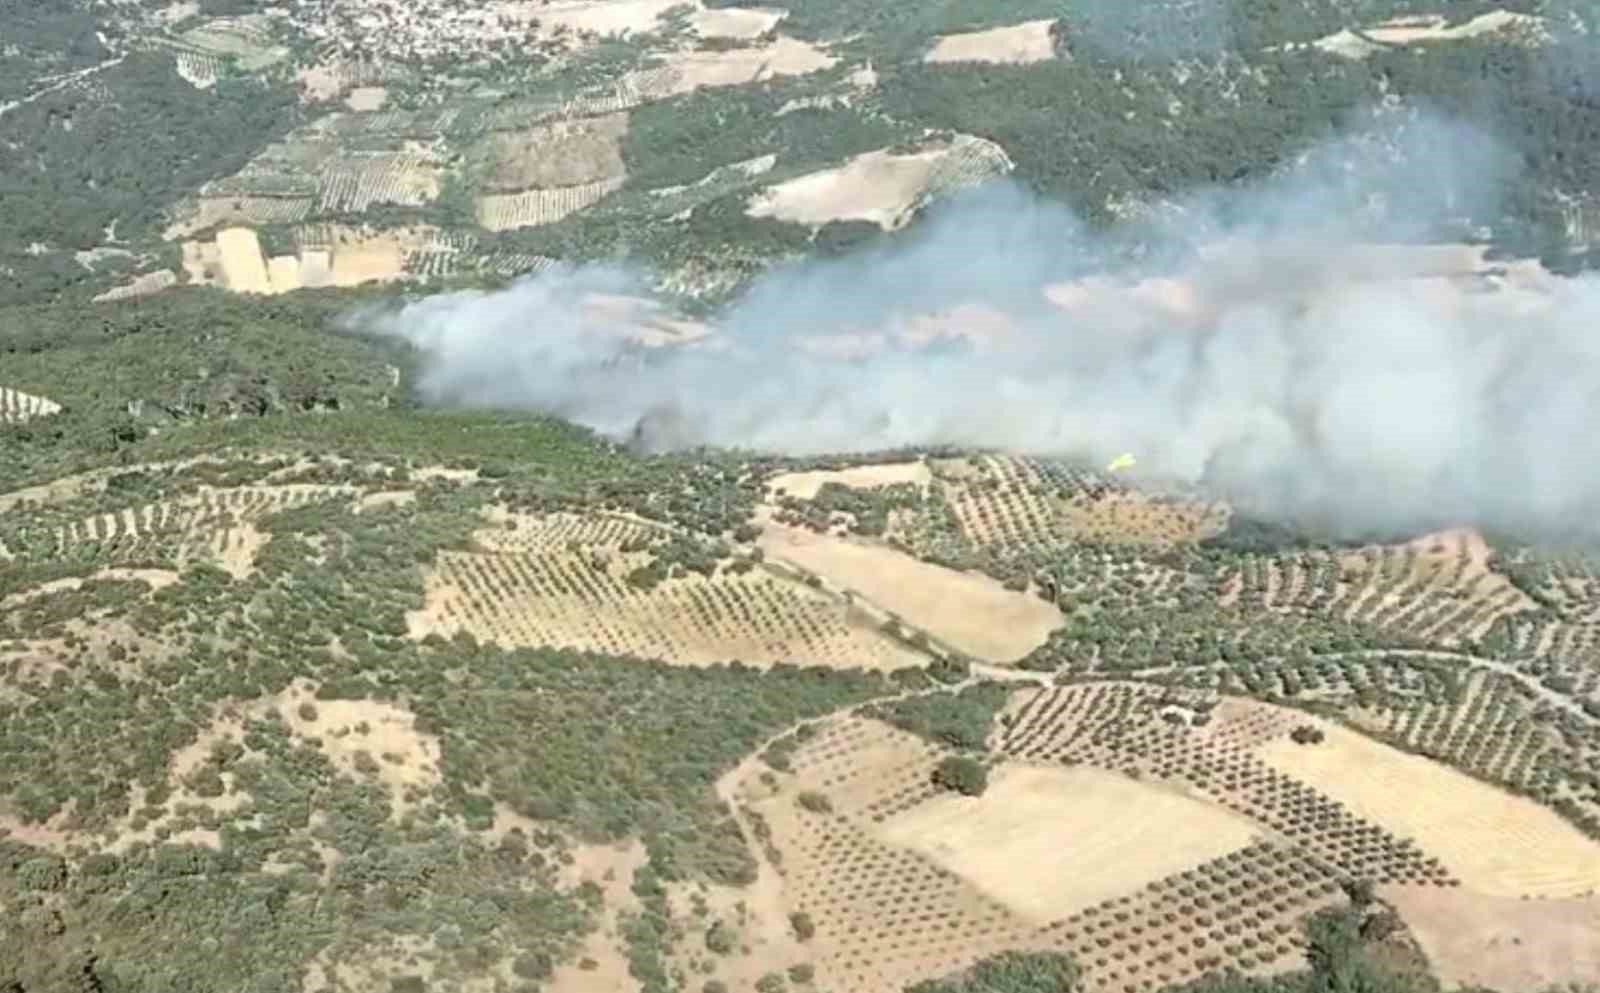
x=1283 y=365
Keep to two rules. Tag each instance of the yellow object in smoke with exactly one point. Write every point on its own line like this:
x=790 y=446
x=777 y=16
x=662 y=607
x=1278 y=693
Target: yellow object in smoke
x=1123 y=461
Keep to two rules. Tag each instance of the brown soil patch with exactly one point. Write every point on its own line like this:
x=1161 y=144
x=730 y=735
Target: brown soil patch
x=805 y=485
x=1499 y=942
x=1496 y=843
x=973 y=613
x=1029 y=41
x=1047 y=842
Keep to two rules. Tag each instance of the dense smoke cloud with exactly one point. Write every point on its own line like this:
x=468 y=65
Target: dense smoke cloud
x=1252 y=342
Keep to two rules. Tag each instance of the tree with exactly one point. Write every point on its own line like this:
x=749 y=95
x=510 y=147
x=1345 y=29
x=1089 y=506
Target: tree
x=1305 y=734
x=962 y=775
x=804 y=927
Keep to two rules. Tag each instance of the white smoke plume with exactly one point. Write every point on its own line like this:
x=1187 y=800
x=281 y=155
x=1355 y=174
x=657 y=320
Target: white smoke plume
x=1256 y=343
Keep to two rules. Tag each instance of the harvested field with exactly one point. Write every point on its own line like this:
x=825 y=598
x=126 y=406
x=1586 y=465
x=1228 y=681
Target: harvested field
x=365 y=99
x=17 y=406
x=973 y=613
x=330 y=255
x=243 y=268
x=888 y=916
x=1048 y=842
x=1431 y=28
x=1125 y=727
x=1482 y=835
x=1500 y=942
x=737 y=23
x=283 y=273
x=1029 y=41
x=805 y=485
x=688 y=71
x=881 y=187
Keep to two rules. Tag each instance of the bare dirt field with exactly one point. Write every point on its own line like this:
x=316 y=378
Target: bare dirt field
x=973 y=613
x=1500 y=942
x=736 y=23
x=805 y=485
x=1486 y=837
x=365 y=99
x=880 y=187
x=243 y=268
x=688 y=71
x=1048 y=841
x=336 y=256
x=1029 y=41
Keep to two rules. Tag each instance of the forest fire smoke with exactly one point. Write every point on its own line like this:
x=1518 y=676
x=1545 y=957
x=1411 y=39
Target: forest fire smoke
x=1288 y=364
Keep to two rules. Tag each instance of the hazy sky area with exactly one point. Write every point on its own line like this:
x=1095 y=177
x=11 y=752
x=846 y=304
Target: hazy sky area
x=1283 y=364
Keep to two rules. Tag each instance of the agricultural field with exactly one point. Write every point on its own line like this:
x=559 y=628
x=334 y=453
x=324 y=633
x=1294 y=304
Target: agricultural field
x=311 y=683
x=907 y=881
x=585 y=583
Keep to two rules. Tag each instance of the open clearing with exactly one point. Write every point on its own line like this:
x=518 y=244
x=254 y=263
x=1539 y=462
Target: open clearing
x=1047 y=842
x=1029 y=41
x=736 y=23
x=805 y=485
x=1496 y=843
x=973 y=613
x=906 y=882
x=329 y=255
x=688 y=71
x=883 y=187
x=1429 y=28
x=1500 y=942
x=880 y=187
